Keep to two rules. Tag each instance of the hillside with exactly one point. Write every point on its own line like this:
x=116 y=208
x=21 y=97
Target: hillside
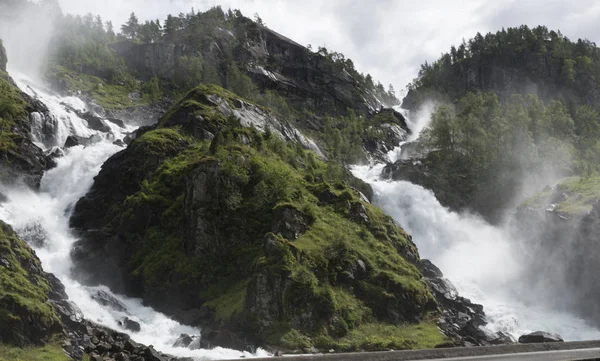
x=518 y=108
x=231 y=208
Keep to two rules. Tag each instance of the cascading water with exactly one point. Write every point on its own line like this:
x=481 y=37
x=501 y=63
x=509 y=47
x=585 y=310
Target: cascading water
x=43 y=216
x=483 y=261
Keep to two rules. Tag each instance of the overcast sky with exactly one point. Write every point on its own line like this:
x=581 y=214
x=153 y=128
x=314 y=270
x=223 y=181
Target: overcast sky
x=387 y=38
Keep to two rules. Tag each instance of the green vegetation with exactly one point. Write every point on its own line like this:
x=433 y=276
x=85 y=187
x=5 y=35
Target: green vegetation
x=581 y=194
x=25 y=312
x=487 y=138
x=548 y=58
x=277 y=223
x=375 y=336
x=108 y=95
x=12 y=111
x=485 y=148
x=51 y=352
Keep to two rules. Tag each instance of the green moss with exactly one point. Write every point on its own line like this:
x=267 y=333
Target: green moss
x=255 y=181
x=581 y=193
x=12 y=111
x=23 y=288
x=106 y=94
x=229 y=302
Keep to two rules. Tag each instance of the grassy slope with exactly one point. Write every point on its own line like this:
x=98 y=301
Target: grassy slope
x=51 y=352
x=107 y=95
x=22 y=290
x=261 y=176
x=12 y=110
x=581 y=193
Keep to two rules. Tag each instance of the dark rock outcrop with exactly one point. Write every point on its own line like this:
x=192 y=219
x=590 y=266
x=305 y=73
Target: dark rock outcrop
x=26 y=312
x=274 y=62
x=211 y=183
x=539 y=337
x=449 y=192
x=387 y=129
x=462 y=320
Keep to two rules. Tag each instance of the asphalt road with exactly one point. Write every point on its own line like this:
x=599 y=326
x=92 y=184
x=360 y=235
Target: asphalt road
x=581 y=350
x=583 y=354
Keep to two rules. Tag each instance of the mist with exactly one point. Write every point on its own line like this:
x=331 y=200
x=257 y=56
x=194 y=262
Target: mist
x=509 y=267
x=27 y=30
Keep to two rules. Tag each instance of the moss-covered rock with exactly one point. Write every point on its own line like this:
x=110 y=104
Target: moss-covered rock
x=26 y=314
x=20 y=159
x=247 y=233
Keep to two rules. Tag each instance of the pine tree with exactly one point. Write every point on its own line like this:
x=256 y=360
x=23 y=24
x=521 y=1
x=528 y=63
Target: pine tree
x=131 y=28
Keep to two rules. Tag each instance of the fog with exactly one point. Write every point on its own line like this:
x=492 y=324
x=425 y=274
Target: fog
x=26 y=31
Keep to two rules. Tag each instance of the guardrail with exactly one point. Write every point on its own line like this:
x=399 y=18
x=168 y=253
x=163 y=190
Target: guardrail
x=441 y=353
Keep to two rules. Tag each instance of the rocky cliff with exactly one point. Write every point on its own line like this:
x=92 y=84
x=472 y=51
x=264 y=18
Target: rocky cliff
x=26 y=294
x=305 y=79
x=225 y=217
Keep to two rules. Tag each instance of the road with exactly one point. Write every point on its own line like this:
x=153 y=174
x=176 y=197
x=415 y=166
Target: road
x=582 y=354
x=580 y=350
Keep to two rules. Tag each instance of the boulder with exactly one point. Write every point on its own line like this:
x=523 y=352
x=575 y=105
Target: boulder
x=184 y=340
x=131 y=325
x=150 y=354
x=540 y=337
x=430 y=270
x=72 y=141
x=95 y=122
x=106 y=299
x=290 y=222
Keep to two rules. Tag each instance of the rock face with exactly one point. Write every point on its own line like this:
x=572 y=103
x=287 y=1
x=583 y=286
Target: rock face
x=273 y=61
x=387 y=129
x=461 y=319
x=540 y=337
x=450 y=193
x=221 y=216
x=26 y=313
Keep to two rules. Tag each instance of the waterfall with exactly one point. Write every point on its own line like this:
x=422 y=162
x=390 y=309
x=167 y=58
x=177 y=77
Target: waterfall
x=42 y=218
x=485 y=262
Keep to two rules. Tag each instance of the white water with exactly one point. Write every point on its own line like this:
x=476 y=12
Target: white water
x=483 y=261
x=50 y=209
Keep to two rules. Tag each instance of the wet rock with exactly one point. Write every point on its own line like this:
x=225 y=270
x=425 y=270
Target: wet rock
x=72 y=141
x=120 y=143
x=34 y=234
x=52 y=156
x=184 y=340
x=150 y=354
x=430 y=270
x=106 y=299
x=539 y=337
x=3 y=198
x=131 y=346
x=117 y=122
x=95 y=122
x=131 y=325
